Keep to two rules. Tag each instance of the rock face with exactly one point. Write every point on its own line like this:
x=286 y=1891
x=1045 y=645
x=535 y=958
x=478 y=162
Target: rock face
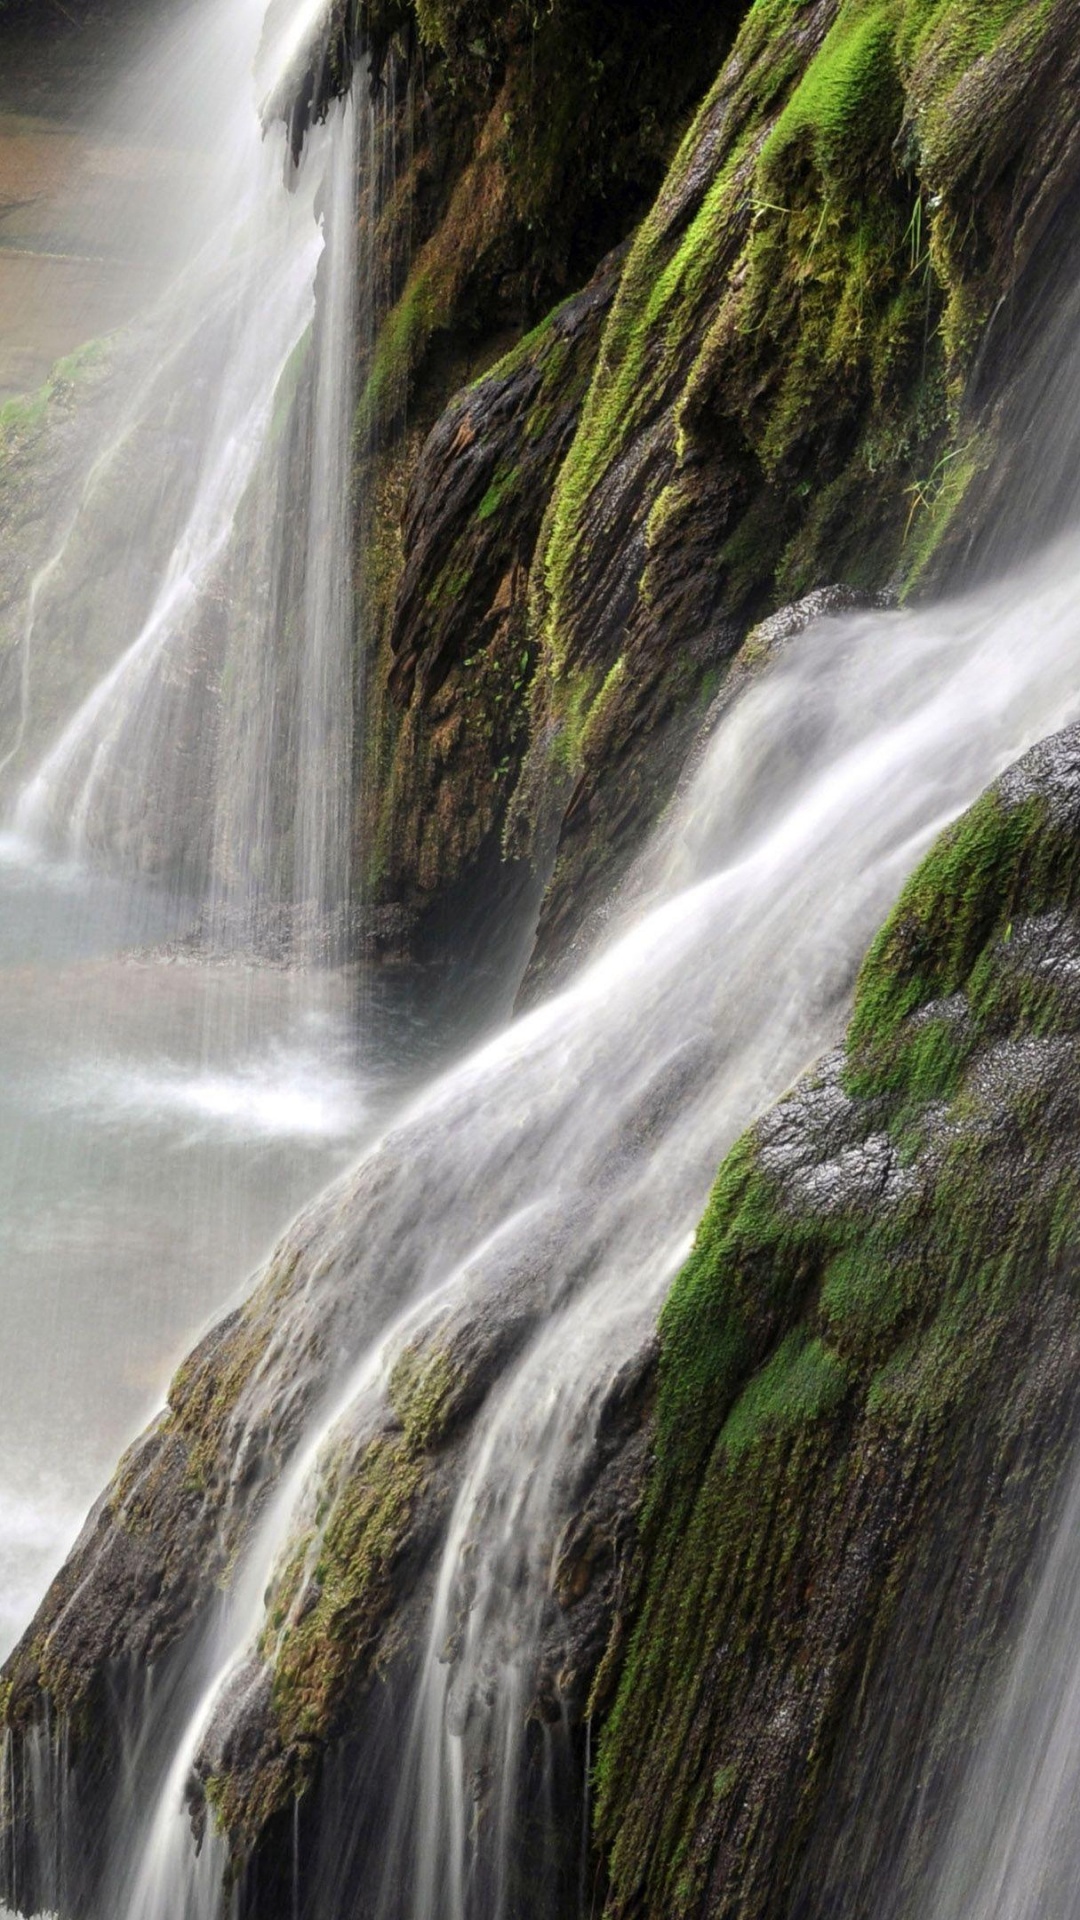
x=453 y=678
x=528 y=145
x=811 y=371
x=867 y=1393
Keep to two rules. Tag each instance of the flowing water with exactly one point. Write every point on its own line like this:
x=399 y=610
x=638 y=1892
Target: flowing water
x=1012 y=1852
x=564 y=1167
x=181 y=1074
x=168 y=1096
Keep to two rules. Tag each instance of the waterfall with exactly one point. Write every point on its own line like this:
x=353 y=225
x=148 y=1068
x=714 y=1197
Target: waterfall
x=525 y=1213
x=215 y=752
x=1011 y=1853
x=179 y=696
x=528 y=1212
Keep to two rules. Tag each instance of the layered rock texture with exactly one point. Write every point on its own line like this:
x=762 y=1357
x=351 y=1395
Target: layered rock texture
x=815 y=367
x=867 y=1391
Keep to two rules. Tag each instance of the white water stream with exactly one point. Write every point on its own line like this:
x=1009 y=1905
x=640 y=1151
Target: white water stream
x=161 y=1118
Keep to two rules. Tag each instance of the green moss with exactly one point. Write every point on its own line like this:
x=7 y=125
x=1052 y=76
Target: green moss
x=958 y=31
x=643 y=339
x=402 y=338
x=422 y=1387
x=848 y=93
x=711 y=1337
x=802 y=330
x=941 y=41
x=502 y=488
x=936 y=502
x=957 y=905
x=370 y=1509
x=334 y=1592
x=802 y=1382
x=808 y=1342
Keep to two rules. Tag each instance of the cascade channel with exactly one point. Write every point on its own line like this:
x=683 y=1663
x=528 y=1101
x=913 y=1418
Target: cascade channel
x=178 y=1020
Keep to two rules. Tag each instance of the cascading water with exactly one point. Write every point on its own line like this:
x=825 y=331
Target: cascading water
x=192 y=612
x=1012 y=1852
x=526 y=1214
x=562 y=1170
x=216 y=749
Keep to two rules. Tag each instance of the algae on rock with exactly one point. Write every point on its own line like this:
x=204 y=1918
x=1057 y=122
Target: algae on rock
x=866 y=1393
x=803 y=376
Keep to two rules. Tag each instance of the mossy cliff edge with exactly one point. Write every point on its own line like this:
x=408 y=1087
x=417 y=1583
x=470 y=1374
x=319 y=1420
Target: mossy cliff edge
x=528 y=142
x=807 y=371
x=867 y=1391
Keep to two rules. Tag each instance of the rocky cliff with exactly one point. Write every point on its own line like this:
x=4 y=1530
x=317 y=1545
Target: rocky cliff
x=867 y=1391
x=816 y=365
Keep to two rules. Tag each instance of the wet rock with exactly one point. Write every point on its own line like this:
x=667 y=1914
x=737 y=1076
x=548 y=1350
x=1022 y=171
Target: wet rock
x=460 y=659
x=866 y=1399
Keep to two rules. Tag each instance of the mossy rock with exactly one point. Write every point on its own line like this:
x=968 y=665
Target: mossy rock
x=803 y=378
x=448 y=712
x=866 y=1390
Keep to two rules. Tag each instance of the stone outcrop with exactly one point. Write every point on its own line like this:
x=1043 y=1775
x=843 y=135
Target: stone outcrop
x=867 y=1395
x=814 y=368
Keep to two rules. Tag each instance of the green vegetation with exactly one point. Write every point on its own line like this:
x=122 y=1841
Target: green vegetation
x=949 y=934
x=333 y=1597
x=852 y=84
x=815 y=316
x=560 y=119
x=817 y=1354
x=27 y=412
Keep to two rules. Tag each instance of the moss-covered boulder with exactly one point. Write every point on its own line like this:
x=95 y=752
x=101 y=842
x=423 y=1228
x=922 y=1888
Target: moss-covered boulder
x=811 y=370
x=867 y=1391
x=804 y=373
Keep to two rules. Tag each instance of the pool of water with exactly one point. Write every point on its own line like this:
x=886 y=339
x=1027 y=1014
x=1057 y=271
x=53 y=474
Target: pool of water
x=160 y=1121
